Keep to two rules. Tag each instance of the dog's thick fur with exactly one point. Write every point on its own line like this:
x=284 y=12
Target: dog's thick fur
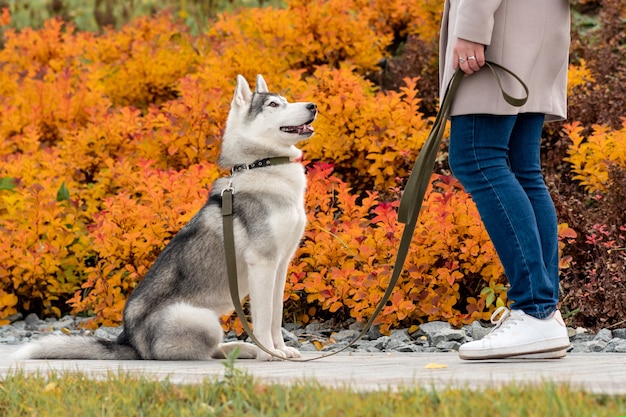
x=174 y=312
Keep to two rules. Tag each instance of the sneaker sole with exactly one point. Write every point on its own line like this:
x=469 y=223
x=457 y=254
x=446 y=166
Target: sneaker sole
x=556 y=353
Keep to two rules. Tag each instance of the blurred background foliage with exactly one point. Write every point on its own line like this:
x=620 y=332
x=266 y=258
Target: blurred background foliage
x=96 y=15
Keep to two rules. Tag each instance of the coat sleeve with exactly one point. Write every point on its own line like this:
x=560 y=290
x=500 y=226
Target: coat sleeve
x=476 y=19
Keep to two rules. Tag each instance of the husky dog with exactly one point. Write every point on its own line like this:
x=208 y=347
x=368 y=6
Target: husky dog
x=174 y=312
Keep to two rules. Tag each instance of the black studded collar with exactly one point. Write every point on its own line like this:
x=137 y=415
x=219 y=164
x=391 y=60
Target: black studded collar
x=261 y=163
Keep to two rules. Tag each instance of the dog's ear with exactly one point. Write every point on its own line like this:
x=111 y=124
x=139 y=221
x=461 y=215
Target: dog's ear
x=243 y=94
x=261 y=85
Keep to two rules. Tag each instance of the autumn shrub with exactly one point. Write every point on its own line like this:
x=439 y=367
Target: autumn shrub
x=188 y=130
x=371 y=138
x=590 y=196
x=136 y=65
x=597 y=78
x=39 y=67
x=303 y=35
x=61 y=130
x=592 y=157
x=346 y=259
x=417 y=59
x=130 y=66
x=345 y=262
x=43 y=245
x=109 y=141
x=401 y=18
x=601 y=43
x=133 y=227
x=414 y=49
x=595 y=283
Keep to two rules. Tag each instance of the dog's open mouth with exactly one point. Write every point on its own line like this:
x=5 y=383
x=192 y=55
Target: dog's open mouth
x=303 y=129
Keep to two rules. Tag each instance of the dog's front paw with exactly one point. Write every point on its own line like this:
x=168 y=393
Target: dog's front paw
x=291 y=352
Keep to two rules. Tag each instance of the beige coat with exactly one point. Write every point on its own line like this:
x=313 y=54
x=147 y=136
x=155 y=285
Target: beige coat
x=529 y=37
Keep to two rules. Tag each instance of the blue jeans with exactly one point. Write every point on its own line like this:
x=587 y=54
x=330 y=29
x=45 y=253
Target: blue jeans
x=497 y=159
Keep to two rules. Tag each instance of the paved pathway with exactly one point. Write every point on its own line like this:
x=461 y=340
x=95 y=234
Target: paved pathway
x=597 y=372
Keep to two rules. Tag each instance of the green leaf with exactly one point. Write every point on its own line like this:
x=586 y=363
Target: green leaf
x=63 y=194
x=7 y=183
x=491 y=296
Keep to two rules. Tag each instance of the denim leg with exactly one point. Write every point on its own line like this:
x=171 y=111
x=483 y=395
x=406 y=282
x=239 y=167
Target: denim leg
x=525 y=162
x=496 y=158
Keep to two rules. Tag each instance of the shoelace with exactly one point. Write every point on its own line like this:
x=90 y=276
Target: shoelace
x=505 y=321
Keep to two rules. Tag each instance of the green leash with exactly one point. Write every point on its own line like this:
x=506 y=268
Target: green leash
x=410 y=206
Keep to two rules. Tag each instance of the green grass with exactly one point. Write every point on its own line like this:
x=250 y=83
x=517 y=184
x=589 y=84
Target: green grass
x=238 y=394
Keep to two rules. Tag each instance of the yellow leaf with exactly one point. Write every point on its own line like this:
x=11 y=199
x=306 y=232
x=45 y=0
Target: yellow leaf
x=434 y=365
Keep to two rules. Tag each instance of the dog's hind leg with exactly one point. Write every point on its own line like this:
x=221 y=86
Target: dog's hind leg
x=245 y=350
x=185 y=332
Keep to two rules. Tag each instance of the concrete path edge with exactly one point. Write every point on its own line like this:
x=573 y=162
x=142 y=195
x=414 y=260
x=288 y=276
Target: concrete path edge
x=592 y=372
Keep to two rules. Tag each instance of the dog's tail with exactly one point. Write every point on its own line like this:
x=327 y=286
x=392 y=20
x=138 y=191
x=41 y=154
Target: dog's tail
x=75 y=347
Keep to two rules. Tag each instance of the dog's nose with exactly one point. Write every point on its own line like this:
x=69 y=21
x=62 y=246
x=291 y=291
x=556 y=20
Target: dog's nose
x=312 y=107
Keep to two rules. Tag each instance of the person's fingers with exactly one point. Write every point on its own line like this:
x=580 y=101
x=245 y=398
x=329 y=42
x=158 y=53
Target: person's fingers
x=480 y=56
x=468 y=65
x=469 y=56
x=472 y=63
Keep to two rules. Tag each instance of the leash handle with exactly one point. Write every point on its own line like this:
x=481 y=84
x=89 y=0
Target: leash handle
x=513 y=101
x=417 y=184
x=408 y=211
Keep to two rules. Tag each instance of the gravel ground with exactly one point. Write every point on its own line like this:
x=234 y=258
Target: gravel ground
x=430 y=337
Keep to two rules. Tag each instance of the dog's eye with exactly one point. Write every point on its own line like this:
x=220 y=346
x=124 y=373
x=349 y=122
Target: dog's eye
x=273 y=104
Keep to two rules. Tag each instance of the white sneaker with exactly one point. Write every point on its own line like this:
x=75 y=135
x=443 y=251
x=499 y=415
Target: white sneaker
x=518 y=335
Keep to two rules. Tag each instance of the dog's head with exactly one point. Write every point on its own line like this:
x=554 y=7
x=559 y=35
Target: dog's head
x=264 y=124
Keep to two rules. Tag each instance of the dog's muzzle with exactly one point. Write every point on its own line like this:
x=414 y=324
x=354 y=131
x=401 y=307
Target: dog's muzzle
x=305 y=128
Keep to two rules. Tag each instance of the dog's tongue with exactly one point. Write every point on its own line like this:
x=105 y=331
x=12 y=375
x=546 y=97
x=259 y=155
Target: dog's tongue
x=302 y=129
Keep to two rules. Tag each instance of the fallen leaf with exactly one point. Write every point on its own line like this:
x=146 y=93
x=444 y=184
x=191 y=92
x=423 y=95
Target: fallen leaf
x=435 y=365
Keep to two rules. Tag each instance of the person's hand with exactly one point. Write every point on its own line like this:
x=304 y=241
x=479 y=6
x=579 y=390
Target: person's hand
x=470 y=56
